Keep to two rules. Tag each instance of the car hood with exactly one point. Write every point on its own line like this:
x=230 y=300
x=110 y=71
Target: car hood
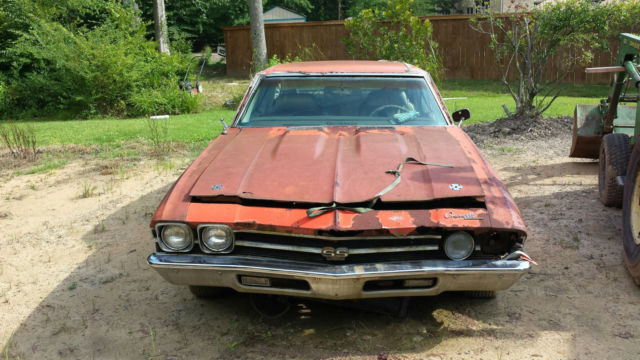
x=342 y=165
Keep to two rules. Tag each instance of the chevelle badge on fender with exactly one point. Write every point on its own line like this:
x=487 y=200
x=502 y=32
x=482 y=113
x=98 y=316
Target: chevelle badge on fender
x=341 y=180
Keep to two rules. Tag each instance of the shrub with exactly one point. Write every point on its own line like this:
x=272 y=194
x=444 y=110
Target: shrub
x=525 y=42
x=4 y=94
x=104 y=69
x=394 y=34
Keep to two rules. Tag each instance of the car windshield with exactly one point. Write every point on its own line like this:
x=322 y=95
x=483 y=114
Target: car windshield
x=340 y=101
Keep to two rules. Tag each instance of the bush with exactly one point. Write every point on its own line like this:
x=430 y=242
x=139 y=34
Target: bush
x=106 y=69
x=4 y=94
x=394 y=34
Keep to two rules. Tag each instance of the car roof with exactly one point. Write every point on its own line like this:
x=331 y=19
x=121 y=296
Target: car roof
x=345 y=66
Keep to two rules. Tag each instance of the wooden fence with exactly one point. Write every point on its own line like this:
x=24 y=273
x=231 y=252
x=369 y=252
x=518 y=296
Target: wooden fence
x=464 y=51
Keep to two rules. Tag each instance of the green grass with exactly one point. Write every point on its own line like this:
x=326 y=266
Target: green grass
x=46 y=164
x=485 y=98
x=113 y=132
x=118 y=138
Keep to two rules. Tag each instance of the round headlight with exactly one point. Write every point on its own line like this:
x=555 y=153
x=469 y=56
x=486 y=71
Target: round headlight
x=217 y=238
x=176 y=237
x=459 y=245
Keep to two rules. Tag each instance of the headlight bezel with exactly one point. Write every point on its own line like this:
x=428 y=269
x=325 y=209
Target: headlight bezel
x=166 y=247
x=226 y=228
x=467 y=254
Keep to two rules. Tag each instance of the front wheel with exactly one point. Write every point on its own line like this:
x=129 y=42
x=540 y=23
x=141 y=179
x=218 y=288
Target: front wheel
x=614 y=157
x=631 y=216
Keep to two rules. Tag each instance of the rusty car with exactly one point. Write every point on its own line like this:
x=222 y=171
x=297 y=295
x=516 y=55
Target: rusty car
x=341 y=180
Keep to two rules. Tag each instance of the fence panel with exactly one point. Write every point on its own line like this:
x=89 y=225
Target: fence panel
x=465 y=52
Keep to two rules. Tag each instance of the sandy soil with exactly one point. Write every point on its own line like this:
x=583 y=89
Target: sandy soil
x=74 y=283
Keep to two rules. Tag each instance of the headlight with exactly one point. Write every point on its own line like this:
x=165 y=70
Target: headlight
x=459 y=245
x=216 y=238
x=176 y=237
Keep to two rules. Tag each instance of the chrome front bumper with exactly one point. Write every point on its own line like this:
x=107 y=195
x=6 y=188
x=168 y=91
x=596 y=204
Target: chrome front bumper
x=335 y=281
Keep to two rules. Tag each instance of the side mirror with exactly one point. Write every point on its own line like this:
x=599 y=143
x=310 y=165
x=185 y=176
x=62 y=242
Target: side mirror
x=460 y=115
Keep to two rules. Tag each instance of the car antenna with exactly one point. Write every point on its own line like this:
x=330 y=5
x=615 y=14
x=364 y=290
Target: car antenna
x=224 y=131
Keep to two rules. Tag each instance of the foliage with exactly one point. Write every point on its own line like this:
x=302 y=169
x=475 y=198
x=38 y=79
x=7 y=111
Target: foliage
x=202 y=21
x=419 y=7
x=275 y=60
x=4 y=94
x=97 y=62
x=445 y=7
x=393 y=34
x=524 y=43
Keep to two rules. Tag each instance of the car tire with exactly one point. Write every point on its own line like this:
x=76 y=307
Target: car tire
x=631 y=216
x=614 y=157
x=209 y=292
x=485 y=294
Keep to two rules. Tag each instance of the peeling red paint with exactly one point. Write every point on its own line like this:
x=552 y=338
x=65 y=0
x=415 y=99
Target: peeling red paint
x=398 y=223
x=342 y=164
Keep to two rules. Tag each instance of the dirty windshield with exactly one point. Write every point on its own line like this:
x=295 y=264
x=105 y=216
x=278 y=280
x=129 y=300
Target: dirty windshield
x=336 y=101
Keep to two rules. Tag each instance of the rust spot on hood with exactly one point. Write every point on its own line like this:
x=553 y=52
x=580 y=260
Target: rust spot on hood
x=399 y=223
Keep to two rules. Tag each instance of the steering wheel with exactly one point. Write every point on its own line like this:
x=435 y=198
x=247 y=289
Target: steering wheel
x=384 y=107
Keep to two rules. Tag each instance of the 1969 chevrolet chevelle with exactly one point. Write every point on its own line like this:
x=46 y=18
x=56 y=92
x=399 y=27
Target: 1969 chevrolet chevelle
x=340 y=180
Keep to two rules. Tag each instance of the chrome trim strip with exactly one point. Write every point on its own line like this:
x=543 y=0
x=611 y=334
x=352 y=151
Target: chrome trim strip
x=333 y=281
x=393 y=249
x=318 y=250
x=306 y=249
x=338 y=238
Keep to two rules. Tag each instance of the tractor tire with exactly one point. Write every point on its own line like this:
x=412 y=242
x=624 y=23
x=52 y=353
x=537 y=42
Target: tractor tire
x=614 y=157
x=209 y=292
x=631 y=216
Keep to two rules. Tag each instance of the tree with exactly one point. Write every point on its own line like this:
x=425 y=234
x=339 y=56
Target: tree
x=393 y=34
x=418 y=7
x=160 y=24
x=524 y=43
x=258 y=41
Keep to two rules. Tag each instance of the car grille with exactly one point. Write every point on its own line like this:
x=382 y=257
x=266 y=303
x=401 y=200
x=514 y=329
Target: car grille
x=338 y=249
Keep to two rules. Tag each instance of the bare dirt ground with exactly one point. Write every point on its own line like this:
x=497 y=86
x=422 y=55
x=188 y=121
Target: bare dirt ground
x=74 y=282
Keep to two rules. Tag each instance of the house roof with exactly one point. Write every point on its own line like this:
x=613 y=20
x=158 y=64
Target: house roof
x=279 y=14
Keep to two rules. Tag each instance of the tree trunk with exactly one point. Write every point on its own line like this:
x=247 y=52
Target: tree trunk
x=160 y=25
x=258 y=42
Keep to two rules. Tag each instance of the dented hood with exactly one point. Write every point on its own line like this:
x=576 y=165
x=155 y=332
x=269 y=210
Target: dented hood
x=341 y=164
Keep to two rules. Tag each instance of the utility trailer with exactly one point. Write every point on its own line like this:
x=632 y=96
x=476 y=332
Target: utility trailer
x=609 y=132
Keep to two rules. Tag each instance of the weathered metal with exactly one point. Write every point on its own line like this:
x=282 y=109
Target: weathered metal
x=338 y=282
x=262 y=181
x=337 y=164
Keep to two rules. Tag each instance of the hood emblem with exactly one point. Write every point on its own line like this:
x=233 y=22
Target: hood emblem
x=455 y=187
x=217 y=187
x=469 y=216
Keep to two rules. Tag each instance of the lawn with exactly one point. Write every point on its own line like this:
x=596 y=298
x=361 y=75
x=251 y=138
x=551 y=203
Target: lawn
x=483 y=98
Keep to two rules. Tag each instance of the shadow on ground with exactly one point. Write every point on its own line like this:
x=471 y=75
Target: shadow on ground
x=114 y=306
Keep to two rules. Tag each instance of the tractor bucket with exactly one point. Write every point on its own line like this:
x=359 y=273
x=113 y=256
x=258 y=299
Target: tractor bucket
x=587 y=133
